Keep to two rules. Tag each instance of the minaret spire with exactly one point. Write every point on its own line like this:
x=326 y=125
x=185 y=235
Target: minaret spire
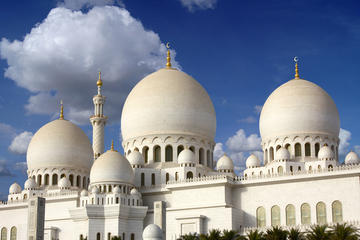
x=61 y=110
x=98 y=120
x=112 y=145
x=296 y=60
x=168 y=58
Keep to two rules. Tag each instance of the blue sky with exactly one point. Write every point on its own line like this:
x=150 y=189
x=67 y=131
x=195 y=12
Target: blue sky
x=240 y=51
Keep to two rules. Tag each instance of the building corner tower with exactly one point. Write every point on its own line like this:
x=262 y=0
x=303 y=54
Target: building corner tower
x=98 y=121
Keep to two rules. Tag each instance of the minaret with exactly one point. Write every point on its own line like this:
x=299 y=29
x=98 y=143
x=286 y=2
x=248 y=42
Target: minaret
x=98 y=121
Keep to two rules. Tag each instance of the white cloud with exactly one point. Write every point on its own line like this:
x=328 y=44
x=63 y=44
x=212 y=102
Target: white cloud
x=249 y=119
x=345 y=137
x=192 y=5
x=258 y=108
x=242 y=143
x=60 y=58
x=20 y=143
x=79 y=4
x=21 y=166
x=4 y=170
x=218 y=151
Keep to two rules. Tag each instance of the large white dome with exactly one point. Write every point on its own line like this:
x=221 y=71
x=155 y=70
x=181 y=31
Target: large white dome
x=59 y=144
x=111 y=167
x=168 y=102
x=298 y=107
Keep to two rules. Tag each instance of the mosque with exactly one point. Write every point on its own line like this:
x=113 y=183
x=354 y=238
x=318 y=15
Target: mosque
x=168 y=184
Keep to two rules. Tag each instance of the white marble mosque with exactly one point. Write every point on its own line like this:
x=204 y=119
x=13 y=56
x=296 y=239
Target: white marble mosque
x=168 y=184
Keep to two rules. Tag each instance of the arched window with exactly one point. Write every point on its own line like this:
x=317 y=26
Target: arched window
x=179 y=149
x=208 y=158
x=266 y=156
x=271 y=153
x=305 y=214
x=330 y=167
x=13 y=233
x=109 y=236
x=260 y=217
x=299 y=168
x=336 y=212
x=145 y=153
x=81 y=237
x=142 y=179
x=176 y=176
x=321 y=213
x=153 y=179
x=317 y=148
x=201 y=156
x=275 y=216
x=62 y=175
x=167 y=177
x=192 y=148
x=189 y=175
x=297 y=150
x=78 y=181
x=278 y=147
x=157 y=153
x=168 y=154
x=307 y=150
x=46 y=179
x=39 y=180
x=25 y=196
x=71 y=179
x=291 y=169
x=3 y=234
x=290 y=215
x=132 y=237
x=288 y=147
x=84 y=182
x=310 y=168
x=54 y=179
x=98 y=236
x=280 y=170
x=123 y=236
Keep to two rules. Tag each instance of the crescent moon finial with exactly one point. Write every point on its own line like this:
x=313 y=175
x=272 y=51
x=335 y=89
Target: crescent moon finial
x=168 y=45
x=168 y=58
x=296 y=60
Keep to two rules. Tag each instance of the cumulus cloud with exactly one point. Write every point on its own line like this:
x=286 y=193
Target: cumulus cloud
x=4 y=170
x=21 y=166
x=79 y=4
x=345 y=137
x=192 y=5
x=20 y=143
x=218 y=151
x=242 y=143
x=60 y=58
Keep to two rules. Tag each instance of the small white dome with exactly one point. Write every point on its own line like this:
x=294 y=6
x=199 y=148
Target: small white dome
x=64 y=183
x=136 y=158
x=111 y=167
x=252 y=161
x=135 y=192
x=116 y=190
x=95 y=190
x=352 y=158
x=186 y=156
x=325 y=153
x=59 y=144
x=15 y=188
x=225 y=163
x=84 y=193
x=282 y=154
x=152 y=232
x=30 y=184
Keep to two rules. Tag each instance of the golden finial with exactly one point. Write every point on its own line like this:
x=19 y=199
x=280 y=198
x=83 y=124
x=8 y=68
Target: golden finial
x=168 y=58
x=296 y=60
x=112 y=145
x=61 y=110
x=99 y=81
